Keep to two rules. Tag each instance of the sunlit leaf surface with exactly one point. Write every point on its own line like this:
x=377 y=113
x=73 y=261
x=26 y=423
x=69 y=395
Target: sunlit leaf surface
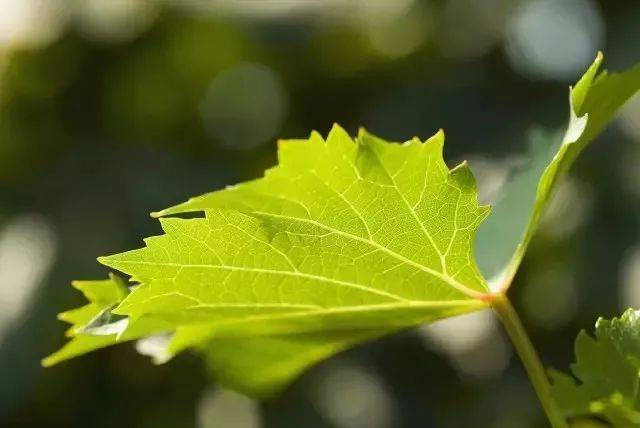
x=345 y=240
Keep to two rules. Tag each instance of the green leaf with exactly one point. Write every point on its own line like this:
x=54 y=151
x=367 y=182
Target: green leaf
x=343 y=241
x=607 y=368
x=102 y=296
x=94 y=326
x=593 y=102
x=499 y=235
x=272 y=361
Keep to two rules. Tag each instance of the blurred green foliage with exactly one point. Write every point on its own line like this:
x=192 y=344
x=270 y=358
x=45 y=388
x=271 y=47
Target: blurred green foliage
x=104 y=116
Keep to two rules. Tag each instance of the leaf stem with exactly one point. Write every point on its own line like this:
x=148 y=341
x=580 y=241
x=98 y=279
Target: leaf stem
x=529 y=358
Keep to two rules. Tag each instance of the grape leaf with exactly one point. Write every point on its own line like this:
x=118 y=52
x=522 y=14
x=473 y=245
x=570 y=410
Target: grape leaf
x=343 y=241
x=102 y=296
x=607 y=368
x=499 y=235
x=94 y=326
x=593 y=102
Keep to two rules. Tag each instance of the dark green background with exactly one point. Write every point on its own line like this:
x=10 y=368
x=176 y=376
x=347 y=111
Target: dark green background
x=101 y=125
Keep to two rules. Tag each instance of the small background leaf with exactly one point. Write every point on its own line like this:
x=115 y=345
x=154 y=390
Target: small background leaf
x=607 y=368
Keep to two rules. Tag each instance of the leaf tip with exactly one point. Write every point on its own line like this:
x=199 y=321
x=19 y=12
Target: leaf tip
x=338 y=136
x=49 y=361
x=437 y=138
x=579 y=91
x=335 y=127
x=462 y=170
x=599 y=56
x=462 y=175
